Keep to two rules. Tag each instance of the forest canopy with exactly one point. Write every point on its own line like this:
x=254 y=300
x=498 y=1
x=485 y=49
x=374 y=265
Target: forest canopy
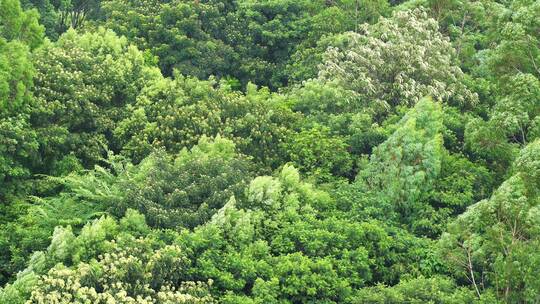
x=270 y=151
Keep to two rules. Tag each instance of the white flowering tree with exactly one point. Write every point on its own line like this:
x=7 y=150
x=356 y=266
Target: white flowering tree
x=109 y=261
x=397 y=61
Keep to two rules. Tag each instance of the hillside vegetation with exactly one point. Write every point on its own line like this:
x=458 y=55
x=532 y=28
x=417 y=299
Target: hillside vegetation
x=269 y=151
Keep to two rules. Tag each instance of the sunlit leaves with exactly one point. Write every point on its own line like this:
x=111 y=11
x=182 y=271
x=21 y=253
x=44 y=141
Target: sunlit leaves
x=83 y=81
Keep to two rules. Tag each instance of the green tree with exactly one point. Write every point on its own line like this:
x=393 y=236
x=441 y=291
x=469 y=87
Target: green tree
x=287 y=243
x=402 y=170
x=494 y=244
x=59 y=16
x=514 y=38
x=19 y=33
x=251 y=41
x=175 y=113
x=20 y=25
x=187 y=191
x=419 y=290
x=338 y=109
x=460 y=184
x=173 y=192
x=319 y=153
x=83 y=83
x=513 y=122
x=107 y=261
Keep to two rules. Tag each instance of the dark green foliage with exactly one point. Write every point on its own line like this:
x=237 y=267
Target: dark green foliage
x=496 y=240
x=249 y=40
x=277 y=151
x=316 y=152
x=59 y=16
x=460 y=184
x=18 y=149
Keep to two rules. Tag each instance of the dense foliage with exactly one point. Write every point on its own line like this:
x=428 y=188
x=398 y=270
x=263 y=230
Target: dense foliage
x=276 y=151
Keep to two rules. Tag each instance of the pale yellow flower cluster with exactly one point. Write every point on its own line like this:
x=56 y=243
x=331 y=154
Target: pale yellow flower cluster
x=124 y=276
